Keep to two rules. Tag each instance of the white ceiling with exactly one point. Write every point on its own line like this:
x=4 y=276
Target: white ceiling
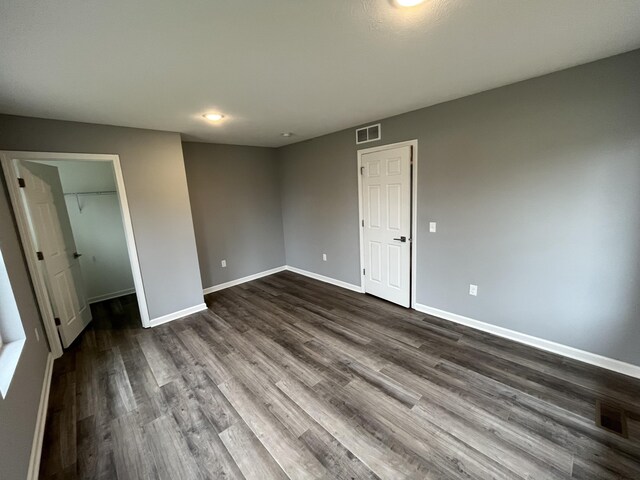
x=309 y=67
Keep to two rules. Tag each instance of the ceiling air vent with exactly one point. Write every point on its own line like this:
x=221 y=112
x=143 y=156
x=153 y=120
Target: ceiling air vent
x=368 y=134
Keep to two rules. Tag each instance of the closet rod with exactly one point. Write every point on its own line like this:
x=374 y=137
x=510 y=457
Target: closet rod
x=105 y=192
x=79 y=194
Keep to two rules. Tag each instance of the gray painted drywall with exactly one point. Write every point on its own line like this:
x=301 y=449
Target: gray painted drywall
x=155 y=181
x=536 y=190
x=97 y=228
x=319 y=188
x=19 y=408
x=235 y=200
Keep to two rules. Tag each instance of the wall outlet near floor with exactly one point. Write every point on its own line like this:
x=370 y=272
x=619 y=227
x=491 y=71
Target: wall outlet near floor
x=432 y=227
x=37 y=334
x=223 y=263
x=324 y=257
x=473 y=290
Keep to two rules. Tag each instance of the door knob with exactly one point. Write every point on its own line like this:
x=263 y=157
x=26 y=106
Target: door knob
x=401 y=239
x=77 y=255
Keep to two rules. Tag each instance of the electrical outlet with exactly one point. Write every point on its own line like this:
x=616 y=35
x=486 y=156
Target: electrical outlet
x=473 y=290
x=223 y=263
x=324 y=257
x=432 y=227
x=37 y=334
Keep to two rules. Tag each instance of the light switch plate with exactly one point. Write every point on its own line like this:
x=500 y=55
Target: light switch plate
x=223 y=263
x=324 y=257
x=432 y=227
x=473 y=290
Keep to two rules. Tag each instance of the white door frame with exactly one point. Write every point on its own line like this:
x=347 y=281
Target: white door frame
x=414 y=209
x=9 y=166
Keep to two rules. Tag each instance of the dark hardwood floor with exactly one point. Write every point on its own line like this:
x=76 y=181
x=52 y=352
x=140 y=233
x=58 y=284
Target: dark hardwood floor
x=286 y=377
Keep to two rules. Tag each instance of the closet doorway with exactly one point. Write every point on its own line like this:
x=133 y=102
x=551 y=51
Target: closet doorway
x=75 y=227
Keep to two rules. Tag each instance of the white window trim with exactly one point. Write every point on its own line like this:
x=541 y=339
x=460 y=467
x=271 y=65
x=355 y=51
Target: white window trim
x=9 y=358
x=12 y=337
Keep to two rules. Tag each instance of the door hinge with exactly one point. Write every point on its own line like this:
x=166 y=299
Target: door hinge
x=40 y=255
x=361 y=170
x=364 y=271
x=21 y=183
x=363 y=223
x=57 y=321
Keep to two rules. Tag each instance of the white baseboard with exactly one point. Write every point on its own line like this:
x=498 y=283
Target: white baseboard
x=542 y=344
x=547 y=345
x=154 y=322
x=109 y=296
x=41 y=419
x=322 y=278
x=233 y=283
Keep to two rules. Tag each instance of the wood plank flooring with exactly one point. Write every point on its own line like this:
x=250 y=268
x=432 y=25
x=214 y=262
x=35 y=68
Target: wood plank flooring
x=286 y=377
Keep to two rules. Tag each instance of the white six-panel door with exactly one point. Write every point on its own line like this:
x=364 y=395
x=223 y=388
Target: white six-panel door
x=53 y=237
x=386 y=204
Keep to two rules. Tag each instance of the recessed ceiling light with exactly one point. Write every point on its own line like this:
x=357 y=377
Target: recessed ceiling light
x=408 y=3
x=286 y=134
x=214 y=117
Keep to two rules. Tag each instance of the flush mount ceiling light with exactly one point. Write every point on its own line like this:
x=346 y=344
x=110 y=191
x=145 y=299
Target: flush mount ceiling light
x=408 y=3
x=286 y=134
x=214 y=117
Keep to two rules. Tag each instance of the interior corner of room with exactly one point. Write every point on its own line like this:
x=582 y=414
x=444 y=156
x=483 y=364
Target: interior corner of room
x=513 y=211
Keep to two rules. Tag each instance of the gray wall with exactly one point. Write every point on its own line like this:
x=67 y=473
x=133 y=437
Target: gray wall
x=235 y=202
x=536 y=190
x=320 y=206
x=155 y=180
x=19 y=408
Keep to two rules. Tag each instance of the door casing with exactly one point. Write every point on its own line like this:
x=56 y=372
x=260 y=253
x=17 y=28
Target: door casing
x=414 y=195
x=9 y=164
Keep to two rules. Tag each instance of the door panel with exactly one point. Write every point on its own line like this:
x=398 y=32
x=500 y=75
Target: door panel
x=52 y=235
x=395 y=259
x=394 y=207
x=394 y=166
x=386 y=181
x=62 y=287
x=375 y=255
x=374 y=206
